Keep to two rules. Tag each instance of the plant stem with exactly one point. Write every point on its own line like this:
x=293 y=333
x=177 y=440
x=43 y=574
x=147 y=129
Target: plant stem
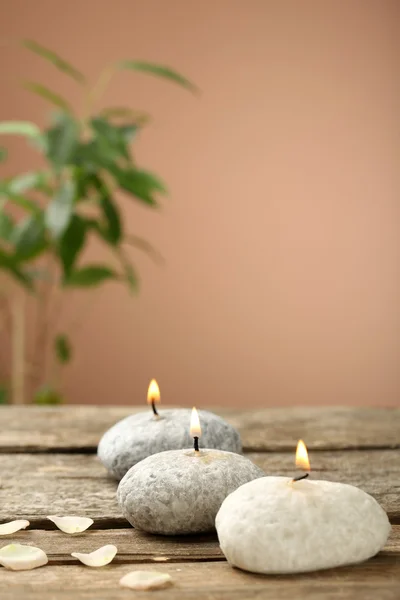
x=5 y=317
x=18 y=349
x=41 y=327
x=99 y=88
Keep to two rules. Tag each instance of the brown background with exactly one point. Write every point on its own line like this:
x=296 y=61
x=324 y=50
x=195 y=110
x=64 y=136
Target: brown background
x=281 y=234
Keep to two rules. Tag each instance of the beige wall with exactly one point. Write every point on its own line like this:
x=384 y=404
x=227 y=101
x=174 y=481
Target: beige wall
x=281 y=234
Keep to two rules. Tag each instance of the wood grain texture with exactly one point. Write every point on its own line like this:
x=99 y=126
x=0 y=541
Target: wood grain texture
x=35 y=485
x=133 y=546
x=138 y=547
x=35 y=481
x=74 y=428
x=376 y=579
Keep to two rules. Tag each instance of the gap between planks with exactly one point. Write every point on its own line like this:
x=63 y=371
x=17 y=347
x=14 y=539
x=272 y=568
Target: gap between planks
x=246 y=449
x=136 y=546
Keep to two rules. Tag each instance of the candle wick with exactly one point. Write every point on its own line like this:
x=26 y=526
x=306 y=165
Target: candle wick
x=196 y=444
x=300 y=477
x=153 y=406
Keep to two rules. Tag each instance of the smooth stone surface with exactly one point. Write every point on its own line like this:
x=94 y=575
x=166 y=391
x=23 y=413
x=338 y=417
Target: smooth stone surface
x=273 y=525
x=179 y=492
x=138 y=436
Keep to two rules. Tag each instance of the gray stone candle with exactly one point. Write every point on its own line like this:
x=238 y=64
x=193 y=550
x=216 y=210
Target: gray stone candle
x=138 y=436
x=180 y=491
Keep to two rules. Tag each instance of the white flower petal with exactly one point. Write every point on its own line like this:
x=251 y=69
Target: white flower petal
x=13 y=526
x=145 y=580
x=71 y=524
x=98 y=558
x=18 y=557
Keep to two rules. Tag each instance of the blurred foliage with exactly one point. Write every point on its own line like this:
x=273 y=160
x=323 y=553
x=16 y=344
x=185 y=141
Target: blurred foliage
x=89 y=159
x=47 y=395
x=3 y=394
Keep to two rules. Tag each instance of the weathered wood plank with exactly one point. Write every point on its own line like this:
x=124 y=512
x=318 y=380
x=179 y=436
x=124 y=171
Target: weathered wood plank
x=393 y=544
x=80 y=466
x=34 y=486
x=133 y=546
x=137 y=547
x=32 y=428
x=378 y=578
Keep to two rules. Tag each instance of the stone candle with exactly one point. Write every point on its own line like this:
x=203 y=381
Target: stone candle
x=138 y=436
x=280 y=525
x=180 y=491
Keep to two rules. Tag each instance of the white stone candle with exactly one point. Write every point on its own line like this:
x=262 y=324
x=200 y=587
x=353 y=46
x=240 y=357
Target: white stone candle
x=280 y=525
x=138 y=436
x=180 y=491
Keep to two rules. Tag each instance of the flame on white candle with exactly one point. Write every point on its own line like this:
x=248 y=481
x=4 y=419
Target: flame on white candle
x=195 y=429
x=302 y=461
x=153 y=394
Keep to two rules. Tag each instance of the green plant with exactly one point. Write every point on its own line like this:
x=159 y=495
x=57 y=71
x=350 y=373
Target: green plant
x=89 y=160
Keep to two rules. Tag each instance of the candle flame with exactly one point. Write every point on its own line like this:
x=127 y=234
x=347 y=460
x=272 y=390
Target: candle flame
x=195 y=429
x=302 y=461
x=153 y=394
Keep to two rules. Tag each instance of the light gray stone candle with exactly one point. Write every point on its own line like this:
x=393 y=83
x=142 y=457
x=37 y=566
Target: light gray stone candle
x=138 y=436
x=180 y=491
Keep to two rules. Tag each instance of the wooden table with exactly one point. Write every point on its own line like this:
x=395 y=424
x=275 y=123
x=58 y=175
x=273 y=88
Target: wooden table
x=49 y=466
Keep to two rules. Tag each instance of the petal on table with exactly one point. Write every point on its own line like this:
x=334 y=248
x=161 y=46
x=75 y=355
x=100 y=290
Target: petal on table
x=145 y=580
x=18 y=557
x=13 y=526
x=71 y=524
x=100 y=557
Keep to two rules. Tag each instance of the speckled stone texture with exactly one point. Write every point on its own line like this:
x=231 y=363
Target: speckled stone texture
x=179 y=492
x=138 y=436
x=275 y=526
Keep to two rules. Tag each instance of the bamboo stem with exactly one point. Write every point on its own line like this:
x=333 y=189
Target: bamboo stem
x=18 y=348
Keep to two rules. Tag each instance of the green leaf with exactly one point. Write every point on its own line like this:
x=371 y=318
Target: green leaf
x=32 y=180
x=48 y=95
x=113 y=230
x=29 y=238
x=10 y=264
x=56 y=60
x=3 y=154
x=112 y=140
x=158 y=71
x=71 y=243
x=62 y=141
x=128 y=132
x=62 y=348
x=88 y=159
x=141 y=184
x=131 y=278
x=25 y=128
x=138 y=117
x=6 y=226
x=129 y=273
x=144 y=246
x=25 y=203
x=59 y=211
x=90 y=275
